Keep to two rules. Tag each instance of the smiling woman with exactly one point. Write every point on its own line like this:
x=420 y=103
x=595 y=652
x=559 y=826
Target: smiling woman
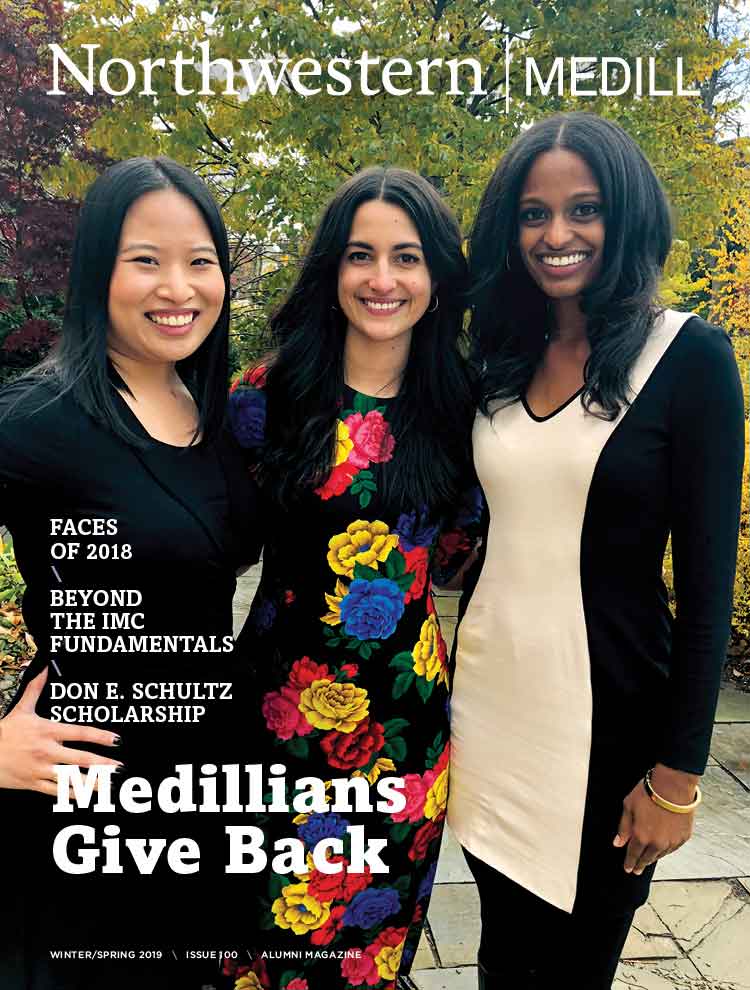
x=123 y=491
x=582 y=712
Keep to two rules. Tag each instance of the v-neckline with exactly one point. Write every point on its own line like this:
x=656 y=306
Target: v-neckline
x=550 y=415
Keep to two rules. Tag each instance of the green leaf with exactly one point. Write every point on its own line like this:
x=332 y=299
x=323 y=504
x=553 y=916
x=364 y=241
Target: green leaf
x=287 y=976
x=399 y=832
x=402 y=683
x=395 y=565
x=405 y=581
x=394 y=725
x=364 y=403
x=403 y=661
x=298 y=747
x=276 y=883
x=403 y=883
x=425 y=688
x=395 y=748
x=365 y=651
x=366 y=573
x=364 y=499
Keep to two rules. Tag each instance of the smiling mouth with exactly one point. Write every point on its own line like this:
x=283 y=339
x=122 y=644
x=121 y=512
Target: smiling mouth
x=564 y=260
x=383 y=307
x=173 y=319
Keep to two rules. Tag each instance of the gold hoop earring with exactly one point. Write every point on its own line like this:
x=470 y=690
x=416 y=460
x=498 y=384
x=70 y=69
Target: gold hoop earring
x=433 y=309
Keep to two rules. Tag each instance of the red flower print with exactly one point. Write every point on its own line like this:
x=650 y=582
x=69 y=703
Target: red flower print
x=338 y=886
x=282 y=715
x=372 y=439
x=304 y=672
x=350 y=669
x=443 y=761
x=417 y=562
x=327 y=932
x=289 y=597
x=347 y=750
x=389 y=936
x=338 y=481
x=426 y=834
x=415 y=792
x=298 y=983
x=450 y=543
x=360 y=970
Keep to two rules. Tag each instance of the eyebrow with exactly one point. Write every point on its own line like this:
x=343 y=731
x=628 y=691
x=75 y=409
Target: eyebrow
x=396 y=247
x=144 y=246
x=587 y=193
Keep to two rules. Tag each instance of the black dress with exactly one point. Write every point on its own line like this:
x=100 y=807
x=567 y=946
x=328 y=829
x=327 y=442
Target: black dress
x=352 y=686
x=174 y=525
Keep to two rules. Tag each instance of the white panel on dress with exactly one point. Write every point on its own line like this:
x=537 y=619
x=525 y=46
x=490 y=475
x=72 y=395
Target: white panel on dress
x=522 y=706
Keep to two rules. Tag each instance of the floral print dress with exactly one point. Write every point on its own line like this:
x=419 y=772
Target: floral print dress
x=352 y=681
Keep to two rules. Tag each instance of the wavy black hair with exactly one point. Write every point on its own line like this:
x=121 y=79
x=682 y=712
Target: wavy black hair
x=79 y=364
x=432 y=413
x=509 y=311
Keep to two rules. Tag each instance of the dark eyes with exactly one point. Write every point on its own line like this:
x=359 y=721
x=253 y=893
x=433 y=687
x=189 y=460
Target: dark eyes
x=403 y=259
x=145 y=259
x=538 y=214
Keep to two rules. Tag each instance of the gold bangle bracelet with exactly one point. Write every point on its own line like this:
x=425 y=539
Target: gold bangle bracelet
x=678 y=809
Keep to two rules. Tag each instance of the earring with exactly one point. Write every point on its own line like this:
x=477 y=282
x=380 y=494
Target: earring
x=507 y=260
x=334 y=307
x=433 y=309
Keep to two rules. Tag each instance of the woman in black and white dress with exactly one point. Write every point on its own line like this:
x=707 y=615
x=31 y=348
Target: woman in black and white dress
x=605 y=424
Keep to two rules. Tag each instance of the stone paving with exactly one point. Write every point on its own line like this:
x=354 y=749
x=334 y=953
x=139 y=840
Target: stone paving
x=694 y=932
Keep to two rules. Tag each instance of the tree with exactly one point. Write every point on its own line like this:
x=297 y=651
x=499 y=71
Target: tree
x=36 y=133
x=273 y=160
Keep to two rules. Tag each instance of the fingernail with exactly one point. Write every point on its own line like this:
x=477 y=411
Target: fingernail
x=119 y=768
x=116 y=741
x=638 y=872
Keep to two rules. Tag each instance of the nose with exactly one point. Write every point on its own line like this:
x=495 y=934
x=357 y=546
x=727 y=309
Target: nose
x=382 y=280
x=176 y=284
x=557 y=232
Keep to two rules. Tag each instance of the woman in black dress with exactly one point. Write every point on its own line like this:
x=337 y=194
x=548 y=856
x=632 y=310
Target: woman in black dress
x=582 y=713
x=130 y=514
x=360 y=434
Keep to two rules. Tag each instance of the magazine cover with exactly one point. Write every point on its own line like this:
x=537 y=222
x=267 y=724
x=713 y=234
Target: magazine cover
x=374 y=565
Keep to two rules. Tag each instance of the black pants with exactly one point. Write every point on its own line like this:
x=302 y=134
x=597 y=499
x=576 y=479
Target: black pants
x=528 y=944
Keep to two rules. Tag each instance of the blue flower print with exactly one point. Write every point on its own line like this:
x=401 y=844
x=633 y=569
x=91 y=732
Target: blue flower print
x=371 y=907
x=371 y=609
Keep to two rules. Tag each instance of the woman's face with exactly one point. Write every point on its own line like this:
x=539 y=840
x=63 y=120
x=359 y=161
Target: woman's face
x=167 y=288
x=561 y=224
x=384 y=285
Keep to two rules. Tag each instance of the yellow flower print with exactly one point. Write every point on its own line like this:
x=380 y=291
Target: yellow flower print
x=333 y=616
x=297 y=910
x=388 y=960
x=437 y=796
x=329 y=705
x=344 y=443
x=381 y=765
x=426 y=653
x=363 y=543
x=248 y=982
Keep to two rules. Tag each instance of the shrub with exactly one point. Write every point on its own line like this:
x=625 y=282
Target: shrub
x=16 y=645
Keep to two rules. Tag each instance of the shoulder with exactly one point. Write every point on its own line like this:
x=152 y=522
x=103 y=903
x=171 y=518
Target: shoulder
x=696 y=354
x=37 y=407
x=247 y=407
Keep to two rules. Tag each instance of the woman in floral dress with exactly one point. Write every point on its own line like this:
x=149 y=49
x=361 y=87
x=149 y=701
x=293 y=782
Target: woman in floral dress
x=358 y=431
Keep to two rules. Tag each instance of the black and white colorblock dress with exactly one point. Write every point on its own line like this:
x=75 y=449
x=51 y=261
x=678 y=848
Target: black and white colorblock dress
x=572 y=679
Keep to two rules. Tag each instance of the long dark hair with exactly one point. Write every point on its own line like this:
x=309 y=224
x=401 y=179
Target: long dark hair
x=79 y=364
x=430 y=417
x=509 y=311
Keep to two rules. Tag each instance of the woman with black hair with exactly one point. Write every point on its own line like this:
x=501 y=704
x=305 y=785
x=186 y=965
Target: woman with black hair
x=359 y=428
x=582 y=713
x=130 y=512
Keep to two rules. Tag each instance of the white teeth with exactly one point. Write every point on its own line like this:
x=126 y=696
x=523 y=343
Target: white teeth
x=172 y=321
x=559 y=261
x=382 y=306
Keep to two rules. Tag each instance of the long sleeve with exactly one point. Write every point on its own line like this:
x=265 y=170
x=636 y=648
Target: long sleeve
x=707 y=440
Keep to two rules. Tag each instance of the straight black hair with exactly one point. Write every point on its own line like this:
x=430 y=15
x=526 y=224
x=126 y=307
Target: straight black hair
x=79 y=364
x=432 y=413
x=509 y=311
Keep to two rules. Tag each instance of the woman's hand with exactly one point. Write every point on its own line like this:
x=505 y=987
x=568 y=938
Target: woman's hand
x=648 y=831
x=30 y=746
